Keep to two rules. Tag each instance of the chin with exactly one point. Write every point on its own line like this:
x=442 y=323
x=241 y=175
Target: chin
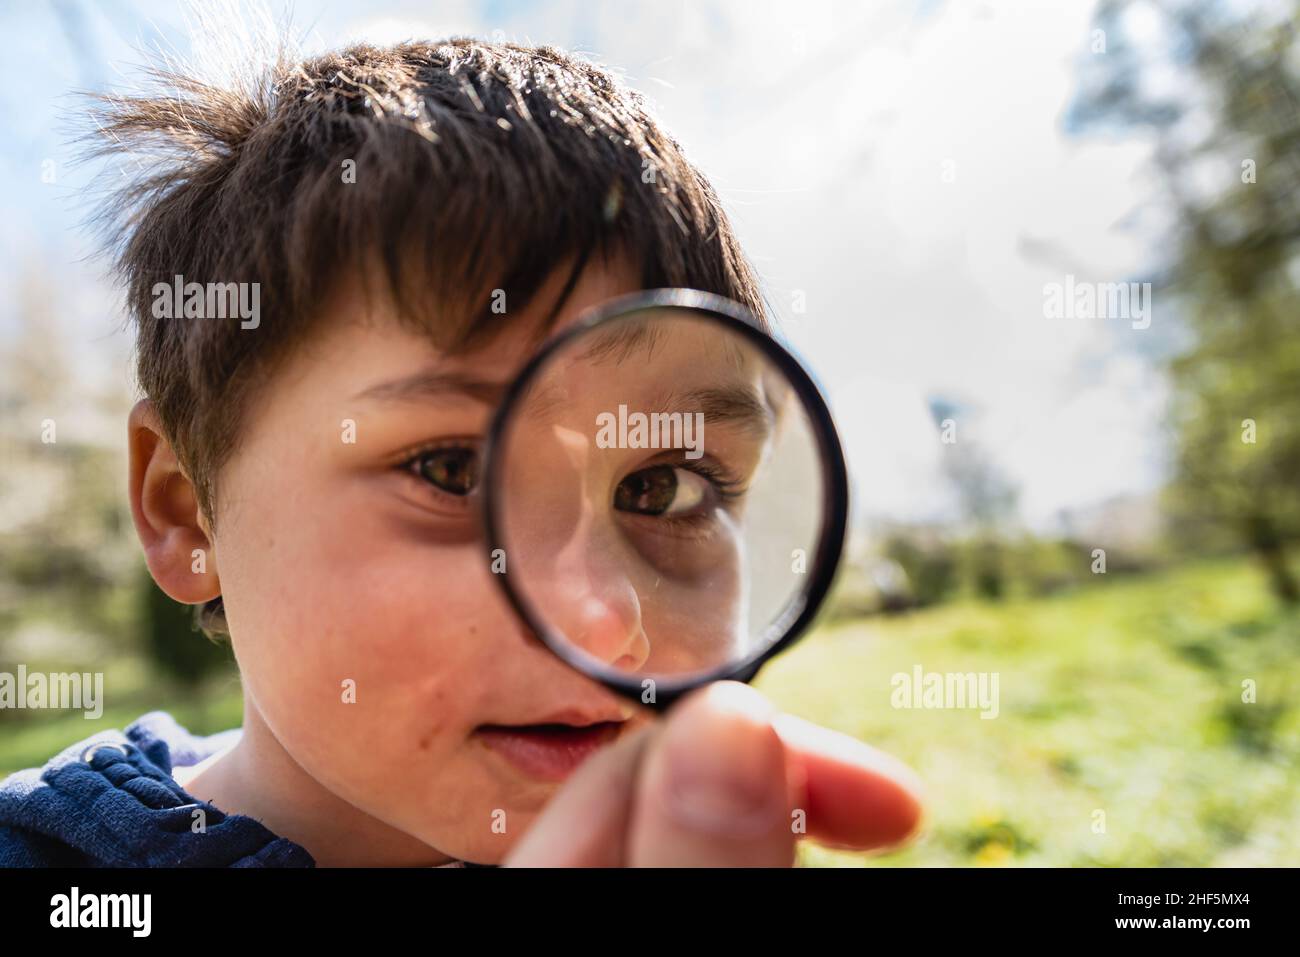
x=484 y=849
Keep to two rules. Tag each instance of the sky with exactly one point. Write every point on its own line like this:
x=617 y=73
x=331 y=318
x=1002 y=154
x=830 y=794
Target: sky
x=903 y=169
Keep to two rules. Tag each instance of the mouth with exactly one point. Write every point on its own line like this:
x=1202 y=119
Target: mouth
x=550 y=750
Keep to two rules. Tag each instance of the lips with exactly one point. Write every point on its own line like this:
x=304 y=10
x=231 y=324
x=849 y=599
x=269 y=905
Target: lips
x=551 y=750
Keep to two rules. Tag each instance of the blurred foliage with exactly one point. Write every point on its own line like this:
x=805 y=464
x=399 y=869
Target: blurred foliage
x=986 y=502
x=931 y=570
x=74 y=591
x=987 y=571
x=920 y=568
x=1232 y=121
x=173 y=641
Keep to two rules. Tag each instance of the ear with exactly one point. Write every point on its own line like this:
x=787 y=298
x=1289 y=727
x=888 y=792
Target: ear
x=168 y=520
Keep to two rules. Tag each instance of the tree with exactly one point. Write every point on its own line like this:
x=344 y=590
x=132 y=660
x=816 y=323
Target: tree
x=986 y=499
x=1228 y=149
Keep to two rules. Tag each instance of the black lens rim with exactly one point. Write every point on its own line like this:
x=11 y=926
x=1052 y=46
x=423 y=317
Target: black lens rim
x=835 y=488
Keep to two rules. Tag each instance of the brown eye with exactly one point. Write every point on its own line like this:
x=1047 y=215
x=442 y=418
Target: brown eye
x=661 y=490
x=453 y=470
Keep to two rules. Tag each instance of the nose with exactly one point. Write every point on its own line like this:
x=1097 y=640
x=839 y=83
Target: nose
x=591 y=600
x=606 y=624
x=567 y=555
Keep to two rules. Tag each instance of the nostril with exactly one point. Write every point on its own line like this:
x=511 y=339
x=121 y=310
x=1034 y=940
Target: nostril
x=627 y=663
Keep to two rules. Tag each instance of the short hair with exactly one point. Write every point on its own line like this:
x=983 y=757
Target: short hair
x=476 y=166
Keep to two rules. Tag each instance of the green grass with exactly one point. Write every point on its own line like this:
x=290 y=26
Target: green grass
x=1123 y=697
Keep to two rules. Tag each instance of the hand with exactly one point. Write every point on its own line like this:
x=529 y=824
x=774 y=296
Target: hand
x=718 y=783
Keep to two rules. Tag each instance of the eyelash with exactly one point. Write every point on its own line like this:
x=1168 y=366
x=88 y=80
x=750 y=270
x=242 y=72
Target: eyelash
x=726 y=486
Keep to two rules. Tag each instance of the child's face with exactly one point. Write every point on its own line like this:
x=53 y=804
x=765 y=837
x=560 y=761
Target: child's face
x=342 y=570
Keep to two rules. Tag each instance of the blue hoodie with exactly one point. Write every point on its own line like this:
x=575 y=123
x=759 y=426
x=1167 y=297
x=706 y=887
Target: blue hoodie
x=111 y=801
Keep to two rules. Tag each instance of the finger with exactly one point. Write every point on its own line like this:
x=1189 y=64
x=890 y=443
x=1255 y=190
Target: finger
x=855 y=796
x=585 y=823
x=713 y=790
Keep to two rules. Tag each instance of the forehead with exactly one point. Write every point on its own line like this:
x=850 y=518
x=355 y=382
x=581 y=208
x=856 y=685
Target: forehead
x=663 y=359
x=650 y=333
x=374 y=334
x=552 y=309
x=601 y=279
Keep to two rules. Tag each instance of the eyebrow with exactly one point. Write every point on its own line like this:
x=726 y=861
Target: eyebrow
x=627 y=338
x=430 y=384
x=738 y=405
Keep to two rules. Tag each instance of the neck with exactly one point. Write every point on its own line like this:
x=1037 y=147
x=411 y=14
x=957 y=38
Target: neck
x=258 y=778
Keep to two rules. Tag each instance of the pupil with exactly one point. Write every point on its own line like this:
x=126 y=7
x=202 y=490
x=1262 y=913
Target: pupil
x=650 y=491
x=454 y=471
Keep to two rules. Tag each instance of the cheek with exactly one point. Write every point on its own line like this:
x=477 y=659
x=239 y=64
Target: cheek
x=361 y=648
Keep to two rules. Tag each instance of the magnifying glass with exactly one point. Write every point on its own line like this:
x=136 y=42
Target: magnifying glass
x=665 y=495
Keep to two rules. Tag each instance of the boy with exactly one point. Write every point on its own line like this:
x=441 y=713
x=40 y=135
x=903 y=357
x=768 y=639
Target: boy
x=403 y=226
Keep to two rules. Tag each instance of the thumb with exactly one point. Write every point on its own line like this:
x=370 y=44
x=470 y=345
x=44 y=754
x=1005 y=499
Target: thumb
x=713 y=790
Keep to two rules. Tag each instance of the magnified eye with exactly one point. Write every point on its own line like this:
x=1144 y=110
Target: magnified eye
x=454 y=470
x=661 y=490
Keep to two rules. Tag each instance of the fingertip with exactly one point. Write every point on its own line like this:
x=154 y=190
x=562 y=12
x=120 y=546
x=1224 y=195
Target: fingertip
x=858 y=797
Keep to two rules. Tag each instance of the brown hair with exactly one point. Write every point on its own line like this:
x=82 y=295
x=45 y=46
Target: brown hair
x=477 y=166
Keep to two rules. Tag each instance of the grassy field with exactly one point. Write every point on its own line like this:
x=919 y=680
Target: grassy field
x=1123 y=698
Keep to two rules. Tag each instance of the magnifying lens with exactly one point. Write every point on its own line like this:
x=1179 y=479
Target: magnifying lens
x=665 y=494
